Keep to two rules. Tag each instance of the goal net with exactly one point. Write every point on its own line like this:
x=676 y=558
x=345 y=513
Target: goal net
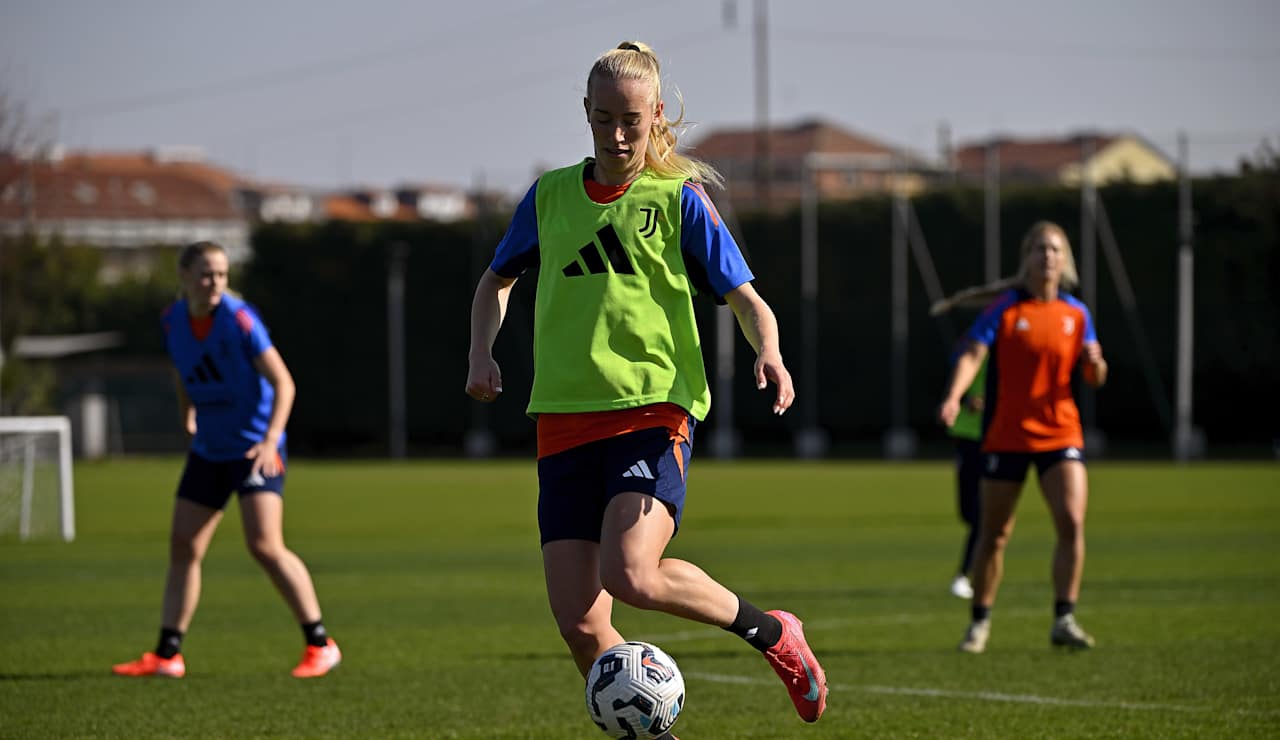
x=36 y=499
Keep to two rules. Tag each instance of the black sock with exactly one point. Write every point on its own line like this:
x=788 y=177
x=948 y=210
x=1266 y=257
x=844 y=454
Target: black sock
x=760 y=630
x=315 y=634
x=980 y=613
x=170 y=643
x=1063 y=608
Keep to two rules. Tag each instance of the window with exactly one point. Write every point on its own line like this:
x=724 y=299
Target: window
x=85 y=192
x=143 y=193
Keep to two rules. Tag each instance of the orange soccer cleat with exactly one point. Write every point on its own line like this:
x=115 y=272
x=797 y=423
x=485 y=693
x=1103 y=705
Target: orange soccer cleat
x=794 y=663
x=151 y=664
x=317 y=661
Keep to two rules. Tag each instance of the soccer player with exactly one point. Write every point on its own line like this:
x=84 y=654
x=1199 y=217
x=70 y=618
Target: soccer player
x=235 y=394
x=1036 y=335
x=624 y=240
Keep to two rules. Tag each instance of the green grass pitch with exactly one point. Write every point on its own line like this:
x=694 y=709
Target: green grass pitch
x=430 y=579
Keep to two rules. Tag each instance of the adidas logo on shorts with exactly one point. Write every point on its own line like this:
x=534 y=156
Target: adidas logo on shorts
x=639 y=470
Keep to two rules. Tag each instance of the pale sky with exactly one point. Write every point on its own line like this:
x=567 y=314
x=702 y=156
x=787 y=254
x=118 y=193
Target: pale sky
x=381 y=92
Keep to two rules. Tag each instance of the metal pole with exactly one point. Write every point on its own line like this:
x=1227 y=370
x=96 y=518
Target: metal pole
x=67 y=484
x=480 y=439
x=1186 y=442
x=991 y=218
x=1129 y=305
x=1088 y=268
x=763 y=165
x=946 y=152
x=811 y=441
x=28 y=486
x=395 y=349
x=928 y=273
x=899 y=441
x=724 y=442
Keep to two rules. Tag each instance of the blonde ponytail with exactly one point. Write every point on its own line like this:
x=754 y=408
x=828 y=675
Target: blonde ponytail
x=977 y=296
x=636 y=60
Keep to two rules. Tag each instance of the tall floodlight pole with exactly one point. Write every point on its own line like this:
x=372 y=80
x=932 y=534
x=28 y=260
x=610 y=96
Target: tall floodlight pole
x=1187 y=443
x=395 y=351
x=811 y=441
x=1088 y=269
x=763 y=164
x=725 y=440
x=898 y=441
x=991 y=217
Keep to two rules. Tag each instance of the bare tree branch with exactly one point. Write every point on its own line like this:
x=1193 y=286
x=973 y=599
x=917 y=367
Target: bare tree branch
x=21 y=135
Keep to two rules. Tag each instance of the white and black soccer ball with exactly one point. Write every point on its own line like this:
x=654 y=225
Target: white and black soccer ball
x=635 y=690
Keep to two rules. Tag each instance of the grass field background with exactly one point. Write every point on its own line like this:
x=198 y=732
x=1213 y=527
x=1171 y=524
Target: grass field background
x=430 y=579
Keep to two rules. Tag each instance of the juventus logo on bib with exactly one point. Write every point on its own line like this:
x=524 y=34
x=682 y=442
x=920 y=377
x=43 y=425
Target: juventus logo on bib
x=650 y=222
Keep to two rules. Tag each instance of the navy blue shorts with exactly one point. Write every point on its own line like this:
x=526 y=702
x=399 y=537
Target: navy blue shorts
x=576 y=485
x=1012 y=466
x=211 y=482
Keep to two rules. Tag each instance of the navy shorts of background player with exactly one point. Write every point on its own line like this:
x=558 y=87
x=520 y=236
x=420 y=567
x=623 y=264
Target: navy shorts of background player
x=211 y=482
x=1012 y=466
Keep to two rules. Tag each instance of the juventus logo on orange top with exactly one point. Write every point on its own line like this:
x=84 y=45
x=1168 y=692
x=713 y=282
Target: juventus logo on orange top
x=650 y=222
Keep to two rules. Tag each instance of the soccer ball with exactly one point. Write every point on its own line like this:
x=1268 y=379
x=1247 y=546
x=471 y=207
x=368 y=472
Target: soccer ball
x=635 y=690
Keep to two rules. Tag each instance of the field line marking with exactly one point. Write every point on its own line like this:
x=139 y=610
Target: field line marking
x=913 y=618
x=980 y=695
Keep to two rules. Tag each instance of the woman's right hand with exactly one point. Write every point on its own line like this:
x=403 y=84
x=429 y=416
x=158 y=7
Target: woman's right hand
x=484 y=379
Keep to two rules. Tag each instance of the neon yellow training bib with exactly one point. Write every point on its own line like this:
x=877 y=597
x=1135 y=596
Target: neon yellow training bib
x=614 y=326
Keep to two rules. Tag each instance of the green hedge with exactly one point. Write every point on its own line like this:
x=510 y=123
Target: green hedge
x=322 y=291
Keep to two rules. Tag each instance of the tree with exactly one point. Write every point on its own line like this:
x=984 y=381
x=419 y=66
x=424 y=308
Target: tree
x=21 y=139
x=1266 y=158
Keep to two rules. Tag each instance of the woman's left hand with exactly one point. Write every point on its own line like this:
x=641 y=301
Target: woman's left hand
x=266 y=461
x=1095 y=365
x=769 y=367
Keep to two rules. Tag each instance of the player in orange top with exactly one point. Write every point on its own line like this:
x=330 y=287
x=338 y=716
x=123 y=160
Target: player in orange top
x=1036 y=335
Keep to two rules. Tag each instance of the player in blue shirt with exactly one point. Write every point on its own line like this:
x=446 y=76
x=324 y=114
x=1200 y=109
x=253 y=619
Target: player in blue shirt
x=235 y=394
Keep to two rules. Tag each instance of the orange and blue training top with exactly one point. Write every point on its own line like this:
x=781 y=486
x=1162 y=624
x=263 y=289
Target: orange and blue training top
x=1033 y=347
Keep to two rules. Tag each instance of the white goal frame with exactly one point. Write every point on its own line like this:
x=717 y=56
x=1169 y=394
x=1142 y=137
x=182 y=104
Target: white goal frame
x=61 y=426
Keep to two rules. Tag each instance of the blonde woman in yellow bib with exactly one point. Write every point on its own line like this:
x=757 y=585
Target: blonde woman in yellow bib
x=624 y=240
